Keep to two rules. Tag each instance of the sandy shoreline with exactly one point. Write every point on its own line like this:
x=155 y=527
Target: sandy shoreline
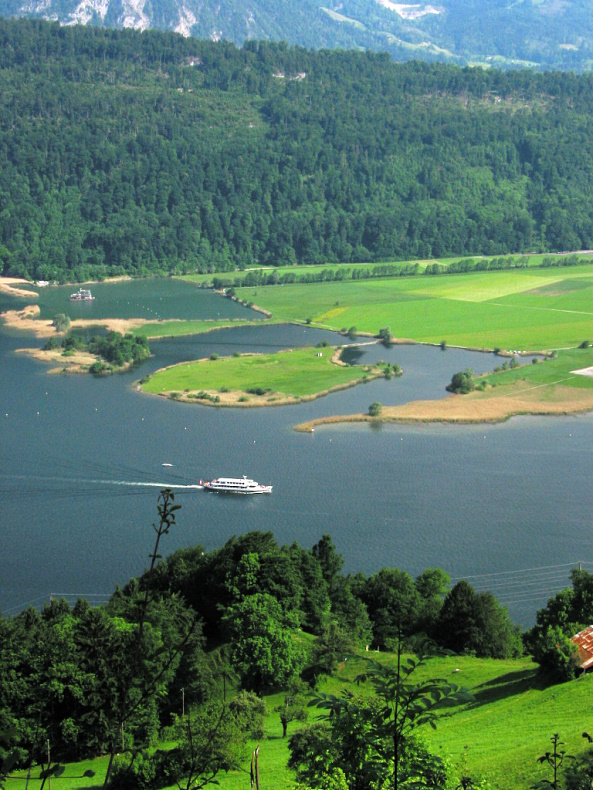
x=28 y=320
x=78 y=362
x=9 y=285
x=233 y=398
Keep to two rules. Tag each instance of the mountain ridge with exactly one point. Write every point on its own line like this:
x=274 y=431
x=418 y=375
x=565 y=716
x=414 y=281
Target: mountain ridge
x=541 y=35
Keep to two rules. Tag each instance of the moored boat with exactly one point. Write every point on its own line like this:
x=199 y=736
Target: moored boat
x=235 y=485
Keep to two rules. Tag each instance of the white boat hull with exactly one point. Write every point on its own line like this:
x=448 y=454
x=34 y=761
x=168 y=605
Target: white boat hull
x=242 y=486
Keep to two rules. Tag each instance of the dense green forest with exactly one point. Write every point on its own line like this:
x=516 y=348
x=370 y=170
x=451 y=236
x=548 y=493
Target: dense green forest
x=127 y=152
x=257 y=617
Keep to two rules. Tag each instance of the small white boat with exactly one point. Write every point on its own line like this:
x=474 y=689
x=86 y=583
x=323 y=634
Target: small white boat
x=236 y=485
x=82 y=295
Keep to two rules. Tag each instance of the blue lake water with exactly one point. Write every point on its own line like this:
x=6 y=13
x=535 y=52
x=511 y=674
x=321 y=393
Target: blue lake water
x=507 y=506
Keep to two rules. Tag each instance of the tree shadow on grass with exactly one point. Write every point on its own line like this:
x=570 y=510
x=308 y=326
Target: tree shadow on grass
x=505 y=686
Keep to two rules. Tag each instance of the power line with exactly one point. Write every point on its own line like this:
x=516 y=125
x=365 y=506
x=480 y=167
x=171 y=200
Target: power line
x=523 y=570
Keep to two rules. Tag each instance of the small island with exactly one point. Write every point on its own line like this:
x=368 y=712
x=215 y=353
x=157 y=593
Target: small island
x=285 y=377
x=99 y=355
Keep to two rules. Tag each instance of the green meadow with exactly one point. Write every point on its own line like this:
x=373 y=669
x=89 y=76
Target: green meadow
x=525 y=309
x=300 y=373
x=498 y=736
x=179 y=328
x=206 y=279
x=548 y=372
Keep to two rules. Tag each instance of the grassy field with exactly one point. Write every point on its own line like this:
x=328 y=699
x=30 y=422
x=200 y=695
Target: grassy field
x=180 y=328
x=548 y=373
x=529 y=309
x=534 y=259
x=498 y=736
x=294 y=374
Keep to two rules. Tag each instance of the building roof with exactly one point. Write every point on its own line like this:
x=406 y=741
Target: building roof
x=584 y=641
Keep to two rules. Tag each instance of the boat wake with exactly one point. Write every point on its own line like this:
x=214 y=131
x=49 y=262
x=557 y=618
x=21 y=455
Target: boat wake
x=141 y=484
x=67 y=486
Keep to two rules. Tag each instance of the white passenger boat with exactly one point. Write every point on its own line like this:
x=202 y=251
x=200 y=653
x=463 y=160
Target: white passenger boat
x=235 y=485
x=82 y=295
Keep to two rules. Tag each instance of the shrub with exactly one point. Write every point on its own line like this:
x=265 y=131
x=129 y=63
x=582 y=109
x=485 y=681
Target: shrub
x=214 y=356
x=61 y=322
x=462 y=382
x=52 y=344
x=375 y=409
x=141 y=775
x=100 y=368
x=385 y=336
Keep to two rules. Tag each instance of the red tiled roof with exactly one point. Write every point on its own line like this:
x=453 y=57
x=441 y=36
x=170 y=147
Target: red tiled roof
x=584 y=641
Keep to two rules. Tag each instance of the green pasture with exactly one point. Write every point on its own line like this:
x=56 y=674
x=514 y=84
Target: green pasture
x=548 y=372
x=533 y=309
x=179 y=328
x=299 y=373
x=534 y=259
x=498 y=736
x=501 y=734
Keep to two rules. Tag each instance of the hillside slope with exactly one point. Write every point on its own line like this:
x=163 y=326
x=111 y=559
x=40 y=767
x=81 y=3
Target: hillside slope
x=128 y=152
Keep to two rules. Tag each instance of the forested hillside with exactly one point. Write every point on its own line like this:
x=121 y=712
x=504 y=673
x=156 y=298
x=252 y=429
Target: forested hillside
x=144 y=152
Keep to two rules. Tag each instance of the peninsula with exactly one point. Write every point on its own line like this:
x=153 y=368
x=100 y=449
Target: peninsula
x=281 y=378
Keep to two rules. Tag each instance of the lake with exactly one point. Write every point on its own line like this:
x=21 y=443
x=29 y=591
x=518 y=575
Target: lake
x=81 y=463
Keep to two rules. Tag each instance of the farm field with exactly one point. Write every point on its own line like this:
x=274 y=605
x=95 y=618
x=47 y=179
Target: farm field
x=526 y=309
x=256 y=379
